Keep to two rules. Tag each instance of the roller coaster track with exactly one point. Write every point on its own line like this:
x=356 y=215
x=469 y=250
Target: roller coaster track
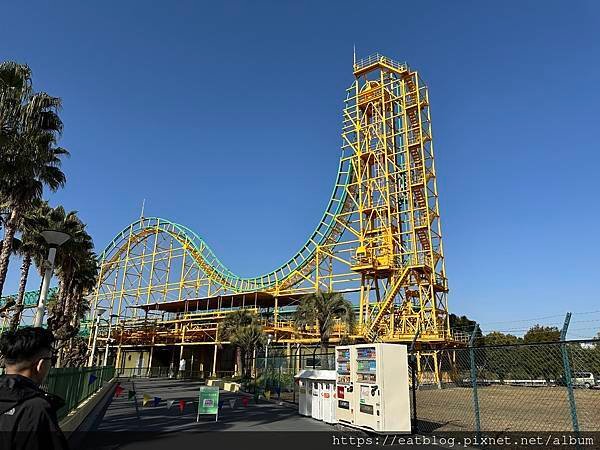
x=328 y=231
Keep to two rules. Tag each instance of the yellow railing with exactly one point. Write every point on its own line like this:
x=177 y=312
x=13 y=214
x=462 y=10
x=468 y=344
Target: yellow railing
x=375 y=58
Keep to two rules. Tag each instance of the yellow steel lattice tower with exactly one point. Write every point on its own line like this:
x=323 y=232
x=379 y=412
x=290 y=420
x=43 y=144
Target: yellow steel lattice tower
x=400 y=256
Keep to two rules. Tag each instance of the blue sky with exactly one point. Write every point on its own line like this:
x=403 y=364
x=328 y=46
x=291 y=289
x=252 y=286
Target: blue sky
x=226 y=116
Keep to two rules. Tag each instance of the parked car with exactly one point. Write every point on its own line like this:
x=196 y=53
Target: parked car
x=585 y=379
x=581 y=379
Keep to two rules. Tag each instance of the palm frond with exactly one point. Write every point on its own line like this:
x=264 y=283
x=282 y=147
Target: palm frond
x=323 y=310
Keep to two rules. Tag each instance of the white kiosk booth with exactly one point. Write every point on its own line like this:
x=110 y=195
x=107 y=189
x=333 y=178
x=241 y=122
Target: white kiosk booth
x=317 y=394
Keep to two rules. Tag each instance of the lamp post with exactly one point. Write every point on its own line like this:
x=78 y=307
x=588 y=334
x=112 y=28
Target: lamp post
x=54 y=239
x=99 y=312
x=269 y=338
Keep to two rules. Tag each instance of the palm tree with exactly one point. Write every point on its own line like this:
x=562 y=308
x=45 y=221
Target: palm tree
x=241 y=328
x=15 y=87
x=29 y=157
x=11 y=301
x=31 y=246
x=323 y=309
x=249 y=337
x=76 y=269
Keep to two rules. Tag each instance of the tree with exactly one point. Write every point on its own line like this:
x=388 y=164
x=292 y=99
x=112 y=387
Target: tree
x=462 y=323
x=77 y=271
x=78 y=355
x=9 y=302
x=31 y=246
x=539 y=333
x=462 y=327
x=498 y=338
x=543 y=361
x=323 y=310
x=249 y=337
x=234 y=328
x=29 y=157
x=498 y=360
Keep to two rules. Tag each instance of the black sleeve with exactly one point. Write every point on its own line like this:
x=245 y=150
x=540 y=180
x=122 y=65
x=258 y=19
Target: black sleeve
x=38 y=429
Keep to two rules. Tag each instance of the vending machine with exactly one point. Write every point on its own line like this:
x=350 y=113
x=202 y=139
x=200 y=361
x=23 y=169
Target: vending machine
x=378 y=398
x=344 y=408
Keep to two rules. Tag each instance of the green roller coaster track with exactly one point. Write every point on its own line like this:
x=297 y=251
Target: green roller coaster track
x=30 y=300
x=215 y=269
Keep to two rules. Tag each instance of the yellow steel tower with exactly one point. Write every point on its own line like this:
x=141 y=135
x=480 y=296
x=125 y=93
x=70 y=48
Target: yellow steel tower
x=400 y=256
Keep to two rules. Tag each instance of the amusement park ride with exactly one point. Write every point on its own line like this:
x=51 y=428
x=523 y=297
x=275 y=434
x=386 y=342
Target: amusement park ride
x=379 y=242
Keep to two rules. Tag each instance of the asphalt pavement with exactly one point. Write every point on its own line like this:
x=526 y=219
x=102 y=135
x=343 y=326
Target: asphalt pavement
x=128 y=425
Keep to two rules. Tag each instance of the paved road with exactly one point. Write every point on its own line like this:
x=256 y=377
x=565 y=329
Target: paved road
x=126 y=427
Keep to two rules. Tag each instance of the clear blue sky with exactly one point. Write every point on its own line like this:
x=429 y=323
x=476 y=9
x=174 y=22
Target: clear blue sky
x=226 y=117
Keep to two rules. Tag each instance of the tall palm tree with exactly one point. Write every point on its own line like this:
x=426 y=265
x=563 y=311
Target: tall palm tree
x=32 y=245
x=76 y=268
x=240 y=328
x=323 y=309
x=29 y=157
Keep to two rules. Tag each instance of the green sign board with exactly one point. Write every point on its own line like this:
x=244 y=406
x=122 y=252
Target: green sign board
x=208 y=402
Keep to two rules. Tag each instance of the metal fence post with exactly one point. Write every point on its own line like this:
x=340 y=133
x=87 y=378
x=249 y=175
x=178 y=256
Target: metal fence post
x=568 y=380
x=413 y=370
x=296 y=351
x=474 y=381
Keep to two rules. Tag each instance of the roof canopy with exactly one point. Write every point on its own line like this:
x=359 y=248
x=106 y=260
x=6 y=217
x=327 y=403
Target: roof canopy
x=246 y=300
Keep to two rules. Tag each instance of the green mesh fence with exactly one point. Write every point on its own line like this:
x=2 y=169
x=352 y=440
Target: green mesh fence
x=75 y=384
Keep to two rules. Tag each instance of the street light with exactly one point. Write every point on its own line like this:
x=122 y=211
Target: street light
x=269 y=338
x=99 y=312
x=54 y=239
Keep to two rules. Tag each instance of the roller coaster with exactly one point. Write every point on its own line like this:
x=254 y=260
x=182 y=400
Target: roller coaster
x=379 y=242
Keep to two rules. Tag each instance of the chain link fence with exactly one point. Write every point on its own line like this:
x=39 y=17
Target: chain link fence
x=273 y=375
x=524 y=387
x=513 y=388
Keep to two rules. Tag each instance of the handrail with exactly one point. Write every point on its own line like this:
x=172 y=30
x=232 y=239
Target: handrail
x=375 y=58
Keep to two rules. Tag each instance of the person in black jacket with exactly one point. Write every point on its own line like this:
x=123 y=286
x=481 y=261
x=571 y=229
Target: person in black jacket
x=27 y=413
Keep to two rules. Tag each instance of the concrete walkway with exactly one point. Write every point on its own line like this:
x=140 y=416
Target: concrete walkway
x=125 y=426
